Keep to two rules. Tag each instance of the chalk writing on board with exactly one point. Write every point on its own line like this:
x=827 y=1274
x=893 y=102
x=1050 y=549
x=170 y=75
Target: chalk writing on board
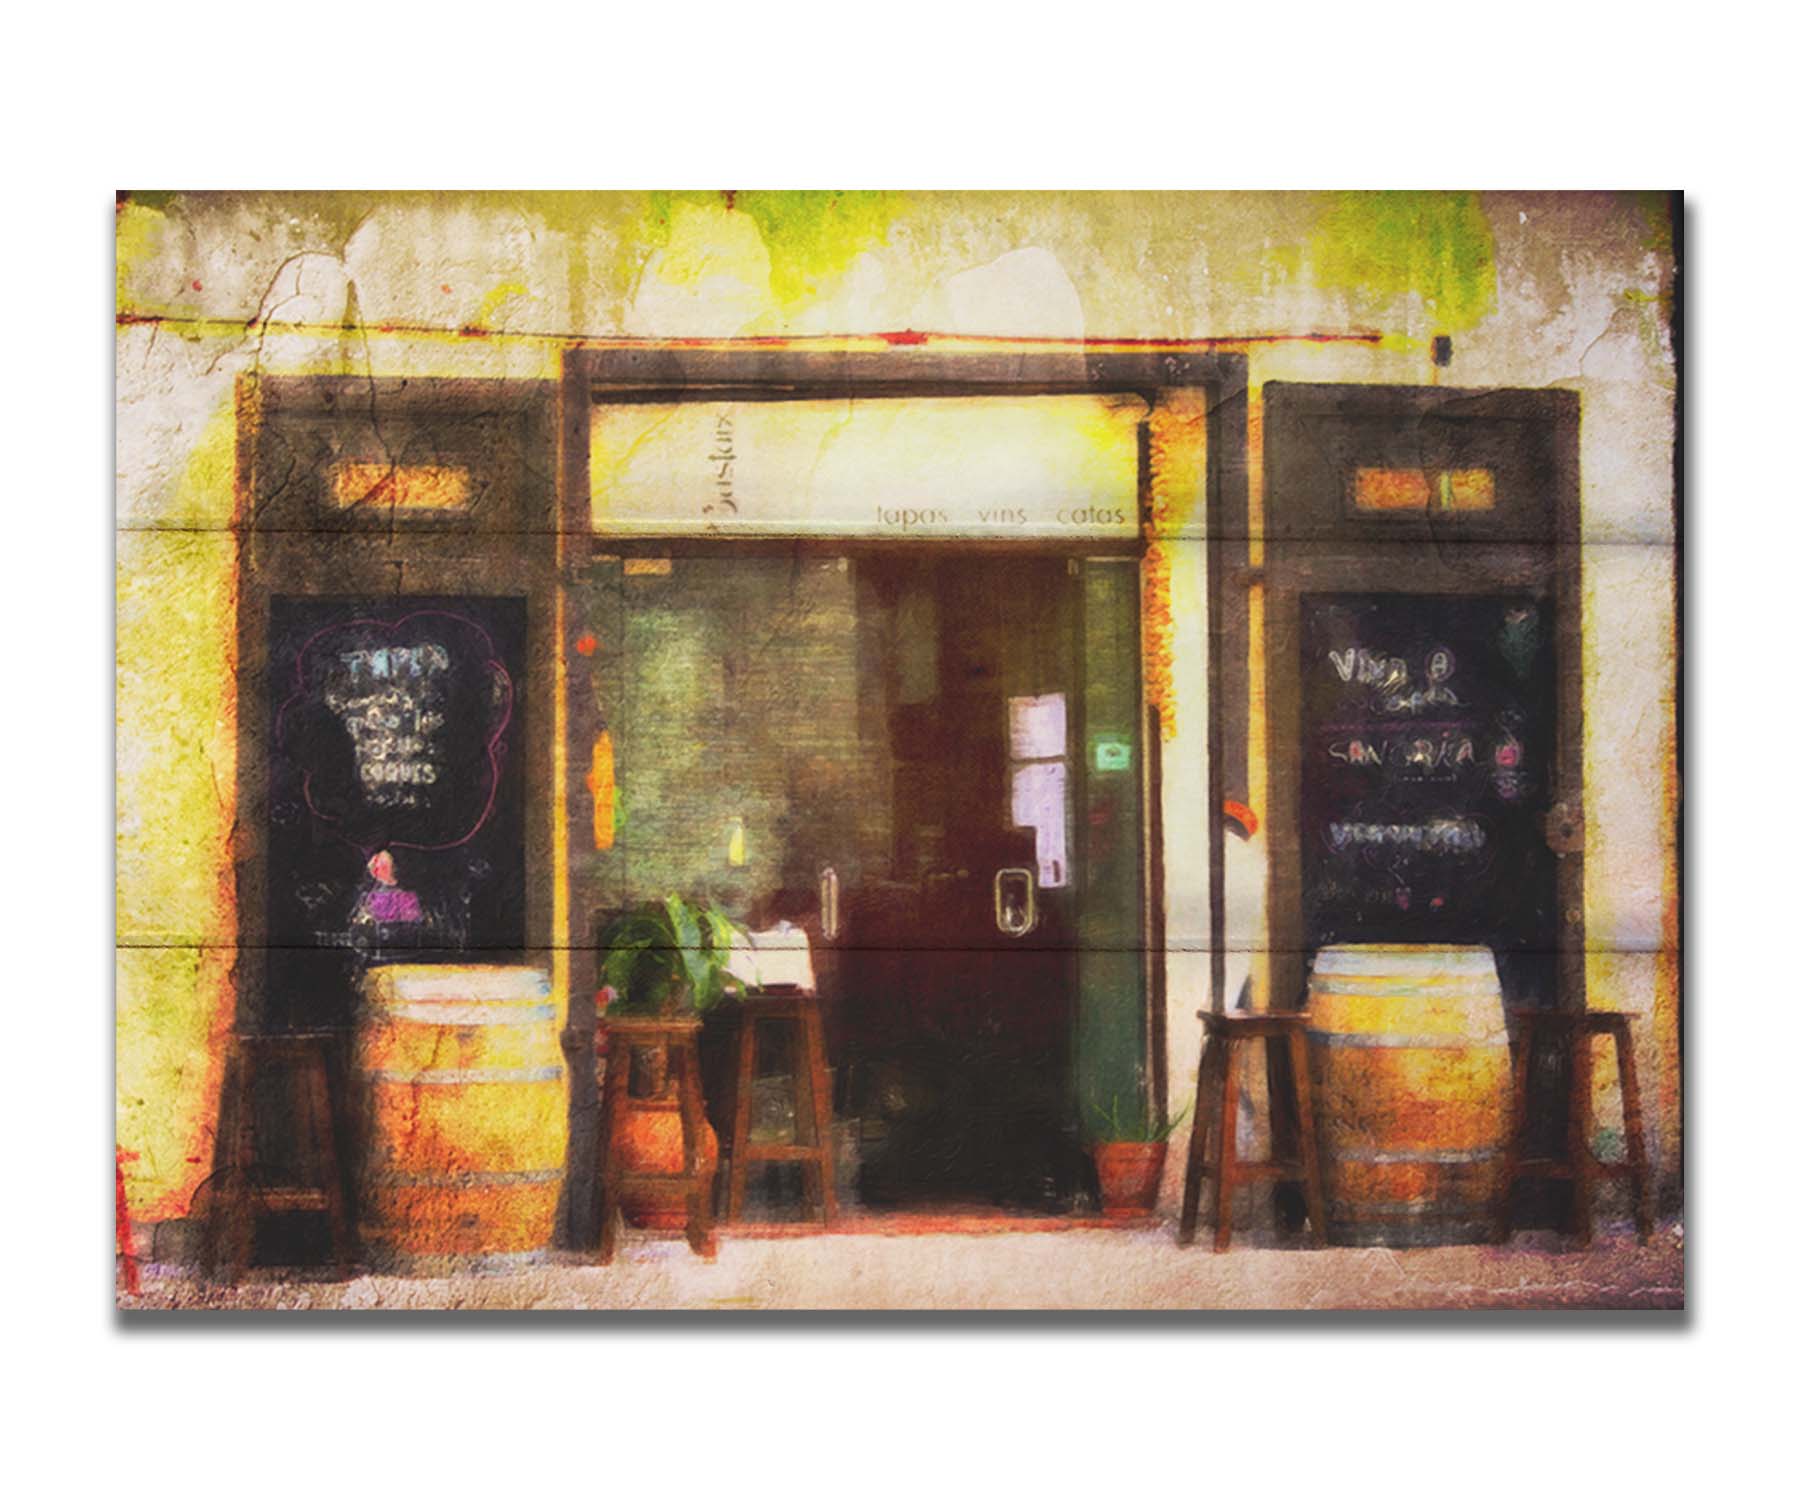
x=392 y=704
x=421 y=704
x=1444 y=752
x=1388 y=673
x=1425 y=722
x=1440 y=836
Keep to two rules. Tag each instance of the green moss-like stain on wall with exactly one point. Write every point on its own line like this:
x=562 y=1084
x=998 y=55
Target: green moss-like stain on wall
x=1387 y=245
x=138 y=234
x=1656 y=309
x=811 y=236
x=1657 y=210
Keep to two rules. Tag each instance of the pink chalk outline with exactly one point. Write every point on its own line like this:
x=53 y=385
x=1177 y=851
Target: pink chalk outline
x=493 y=744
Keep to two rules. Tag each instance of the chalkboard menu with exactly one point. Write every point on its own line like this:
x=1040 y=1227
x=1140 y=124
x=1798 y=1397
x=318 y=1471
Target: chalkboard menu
x=395 y=818
x=1429 y=730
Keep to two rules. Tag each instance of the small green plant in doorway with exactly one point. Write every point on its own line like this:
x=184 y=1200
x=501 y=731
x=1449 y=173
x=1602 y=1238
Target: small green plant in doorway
x=1130 y=1148
x=1135 y=1124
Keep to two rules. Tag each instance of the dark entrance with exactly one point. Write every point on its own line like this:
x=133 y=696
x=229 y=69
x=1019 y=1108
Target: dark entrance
x=959 y=973
x=928 y=760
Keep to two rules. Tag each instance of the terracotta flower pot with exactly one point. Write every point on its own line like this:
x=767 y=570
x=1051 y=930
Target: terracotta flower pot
x=650 y=1141
x=1130 y=1173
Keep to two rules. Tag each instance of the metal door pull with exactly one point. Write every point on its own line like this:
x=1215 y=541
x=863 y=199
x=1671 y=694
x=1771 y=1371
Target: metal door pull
x=1015 y=917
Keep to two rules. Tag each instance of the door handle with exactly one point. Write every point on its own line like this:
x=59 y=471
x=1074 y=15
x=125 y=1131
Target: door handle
x=1015 y=901
x=829 y=924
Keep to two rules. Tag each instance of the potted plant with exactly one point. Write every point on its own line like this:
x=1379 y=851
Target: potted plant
x=1129 y=1150
x=665 y=958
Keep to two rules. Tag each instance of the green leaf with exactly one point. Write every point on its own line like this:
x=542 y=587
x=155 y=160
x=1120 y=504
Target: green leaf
x=687 y=940
x=666 y=944
x=723 y=931
x=617 y=968
x=720 y=933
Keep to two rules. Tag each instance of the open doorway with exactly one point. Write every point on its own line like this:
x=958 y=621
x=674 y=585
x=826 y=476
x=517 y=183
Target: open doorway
x=915 y=755
x=959 y=974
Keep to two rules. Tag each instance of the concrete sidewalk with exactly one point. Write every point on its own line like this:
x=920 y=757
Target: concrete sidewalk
x=1073 y=1269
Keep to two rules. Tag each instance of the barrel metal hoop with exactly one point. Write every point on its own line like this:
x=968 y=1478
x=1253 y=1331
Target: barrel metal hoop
x=466 y=1179
x=391 y=1260
x=1428 y=1211
x=469 y=1013
x=1408 y=988
x=1446 y=1042
x=1418 y=1158
x=496 y=983
x=445 y=1076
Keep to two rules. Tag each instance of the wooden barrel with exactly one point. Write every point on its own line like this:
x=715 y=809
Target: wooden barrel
x=1411 y=1074
x=463 y=1111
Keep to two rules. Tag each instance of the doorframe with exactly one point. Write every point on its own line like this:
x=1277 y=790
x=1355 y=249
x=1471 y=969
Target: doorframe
x=626 y=374
x=1533 y=546
x=290 y=543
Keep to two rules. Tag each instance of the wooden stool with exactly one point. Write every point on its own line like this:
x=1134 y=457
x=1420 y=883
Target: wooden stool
x=1581 y=1166
x=1215 y=1121
x=681 y=1036
x=811 y=1147
x=240 y=1199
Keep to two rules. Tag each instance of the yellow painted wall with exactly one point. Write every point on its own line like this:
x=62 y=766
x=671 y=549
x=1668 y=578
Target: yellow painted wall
x=1561 y=290
x=177 y=781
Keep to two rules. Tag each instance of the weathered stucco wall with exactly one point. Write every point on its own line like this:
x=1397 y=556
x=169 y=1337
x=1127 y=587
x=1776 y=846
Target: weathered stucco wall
x=1572 y=291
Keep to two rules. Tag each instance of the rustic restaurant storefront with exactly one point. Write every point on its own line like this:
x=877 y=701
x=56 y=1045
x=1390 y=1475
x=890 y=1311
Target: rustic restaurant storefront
x=775 y=680
x=779 y=681
x=1048 y=690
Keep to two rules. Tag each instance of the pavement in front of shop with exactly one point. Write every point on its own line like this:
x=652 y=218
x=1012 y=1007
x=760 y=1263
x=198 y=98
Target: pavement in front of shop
x=1075 y=1269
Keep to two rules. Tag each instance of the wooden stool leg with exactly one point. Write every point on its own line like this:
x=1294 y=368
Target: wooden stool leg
x=686 y=1057
x=806 y=1111
x=1515 y=1134
x=212 y=1221
x=1635 y=1153
x=1226 y=1181
x=740 y=1117
x=1309 y=1143
x=1198 y=1138
x=240 y=1195
x=612 y=1116
x=325 y=1152
x=214 y=1245
x=309 y=1118
x=1581 y=1110
x=812 y=1030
